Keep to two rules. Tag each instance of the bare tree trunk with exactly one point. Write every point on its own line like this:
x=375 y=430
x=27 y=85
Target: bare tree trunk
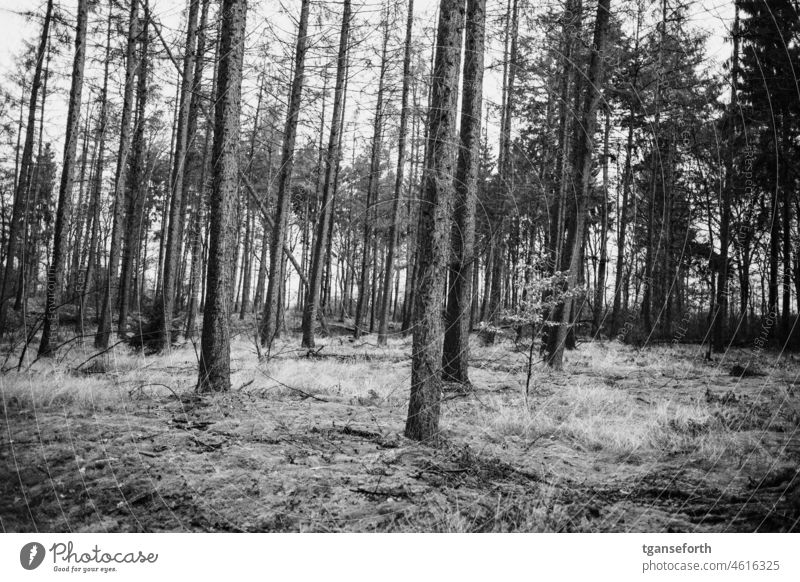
x=424 y=404
x=56 y=271
x=272 y=309
x=600 y=283
x=583 y=158
x=111 y=291
x=398 y=185
x=622 y=217
x=214 y=372
x=372 y=191
x=23 y=179
x=504 y=167
x=137 y=184
x=166 y=303
x=321 y=248
x=455 y=362
x=97 y=179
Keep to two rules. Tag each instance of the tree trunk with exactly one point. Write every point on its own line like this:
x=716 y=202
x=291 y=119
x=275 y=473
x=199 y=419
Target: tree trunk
x=272 y=308
x=422 y=423
x=321 y=249
x=137 y=184
x=23 y=180
x=622 y=217
x=97 y=179
x=56 y=271
x=600 y=283
x=111 y=290
x=372 y=193
x=459 y=306
x=398 y=185
x=214 y=372
x=583 y=158
x=166 y=303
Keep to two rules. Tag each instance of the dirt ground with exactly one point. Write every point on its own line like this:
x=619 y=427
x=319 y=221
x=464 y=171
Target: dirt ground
x=622 y=440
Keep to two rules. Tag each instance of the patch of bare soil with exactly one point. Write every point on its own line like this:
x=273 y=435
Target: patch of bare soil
x=260 y=460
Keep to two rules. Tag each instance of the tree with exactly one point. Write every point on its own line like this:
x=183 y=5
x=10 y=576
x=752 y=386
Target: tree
x=321 y=248
x=424 y=404
x=111 y=287
x=391 y=242
x=56 y=271
x=583 y=164
x=461 y=269
x=23 y=182
x=373 y=182
x=270 y=319
x=214 y=372
x=166 y=303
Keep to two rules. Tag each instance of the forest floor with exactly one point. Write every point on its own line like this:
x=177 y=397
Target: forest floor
x=657 y=439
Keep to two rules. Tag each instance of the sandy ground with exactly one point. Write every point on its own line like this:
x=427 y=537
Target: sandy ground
x=622 y=440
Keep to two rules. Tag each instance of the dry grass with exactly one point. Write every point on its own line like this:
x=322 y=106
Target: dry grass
x=615 y=415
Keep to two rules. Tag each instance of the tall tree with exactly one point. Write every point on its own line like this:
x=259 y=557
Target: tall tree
x=24 y=173
x=321 y=248
x=373 y=182
x=462 y=265
x=434 y=229
x=97 y=178
x=137 y=178
x=111 y=287
x=272 y=308
x=55 y=274
x=391 y=243
x=583 y=165
x=166 y=303
x=214 y=372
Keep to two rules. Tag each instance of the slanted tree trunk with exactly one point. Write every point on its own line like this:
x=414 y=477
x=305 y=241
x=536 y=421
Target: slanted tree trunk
x=24 y=175
x=398 y=184
x=459 y=306
x=214 y=372
x=321 y=249
x=56 y=271
x=583 y=158
x=272 y=309
x=111 y=287
x=424 y=404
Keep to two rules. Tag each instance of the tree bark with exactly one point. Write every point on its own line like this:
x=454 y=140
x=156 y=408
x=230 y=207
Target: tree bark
x=600 y=283
x=214 y=372
x=272 y=308
x=372 y=194
x=321 y=249
x=24 y=174
x=166 y=303
x=137 y=184
x=391 y=242
x=584 y=166
x=457 y=321
x=56 y=271
x=111 y=290
x=424 y=405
